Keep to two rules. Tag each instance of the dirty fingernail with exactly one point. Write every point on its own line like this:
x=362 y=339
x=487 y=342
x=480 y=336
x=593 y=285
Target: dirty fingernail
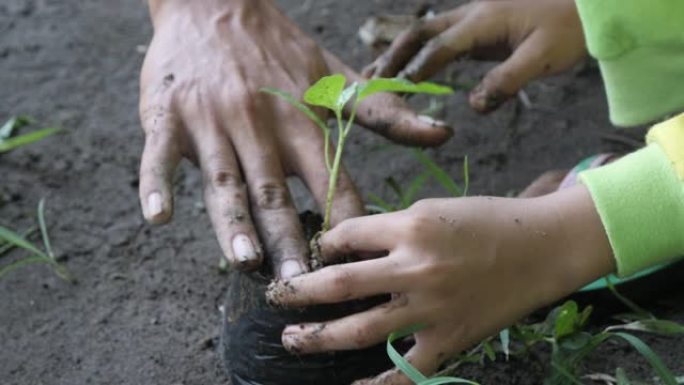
x=290 y=268
x=429 y=120
x=290 y=338
x=154 y=205
x=243 y=249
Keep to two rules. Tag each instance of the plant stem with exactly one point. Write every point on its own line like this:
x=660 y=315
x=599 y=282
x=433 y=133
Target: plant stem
x=342 y=132
x=334 y=173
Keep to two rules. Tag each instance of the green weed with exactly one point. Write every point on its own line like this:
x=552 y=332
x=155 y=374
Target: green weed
x=9 y=140
x=10 y=240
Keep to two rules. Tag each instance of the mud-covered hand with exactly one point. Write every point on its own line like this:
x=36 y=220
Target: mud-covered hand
x=535 y=37
x=463 y=268
x=200 y=99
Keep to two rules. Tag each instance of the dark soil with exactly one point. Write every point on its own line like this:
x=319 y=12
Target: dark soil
x=145 y=310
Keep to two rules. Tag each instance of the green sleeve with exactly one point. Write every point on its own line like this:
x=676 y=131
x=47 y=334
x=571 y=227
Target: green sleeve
x=640 y=200
x=640 y=48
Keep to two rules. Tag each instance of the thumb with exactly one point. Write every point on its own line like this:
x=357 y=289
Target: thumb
x=390 y=116
x=528 y=62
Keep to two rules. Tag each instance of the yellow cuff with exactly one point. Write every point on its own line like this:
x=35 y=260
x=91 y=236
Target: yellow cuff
x=670 y=136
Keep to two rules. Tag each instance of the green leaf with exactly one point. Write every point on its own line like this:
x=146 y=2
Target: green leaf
x=395 y=187
x=489 y=351
x=24 y=262
x=439 y=174
x=576 y=341
x=326 y=92
x=641 y=312
x=43 y=228
x=412 y=373
x=505 y=338
x=656 y=363
x=22 y=140
x=299 y=105
x=563 y=371
x=656 y=326
x=566 y=320
x=6 y=247
x=375 y=86
x=13 y=124
x=466 y=175
x=381 y=203
x=621 y=377
x=346 y=95
x=17 y=240
x=414 y=187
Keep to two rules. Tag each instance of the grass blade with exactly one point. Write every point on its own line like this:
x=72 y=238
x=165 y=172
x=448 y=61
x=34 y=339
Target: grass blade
x=412 y=373
x=628 y=302
x=22 y=140
x=13 y=124
x=505 y=338
x=466 y=175
x=43 y=228
x=656 y=363
x=19 y=241
x=6 y=247
x=439 y=174
x=410 y=194
x=566 y=374
x=381 y=203
x=24 y=262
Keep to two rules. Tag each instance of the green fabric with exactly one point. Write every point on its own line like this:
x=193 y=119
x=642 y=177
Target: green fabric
x=640 y=48
x=640 y=200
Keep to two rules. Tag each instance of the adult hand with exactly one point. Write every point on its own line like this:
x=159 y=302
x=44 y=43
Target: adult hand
x=538 y=38
x=200 y=99
x=464 y=268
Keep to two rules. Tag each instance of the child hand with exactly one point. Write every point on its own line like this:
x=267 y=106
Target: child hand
x=464 y=268
x=539 y=38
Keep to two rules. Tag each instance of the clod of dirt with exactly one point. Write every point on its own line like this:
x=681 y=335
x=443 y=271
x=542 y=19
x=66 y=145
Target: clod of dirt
x=251 y=338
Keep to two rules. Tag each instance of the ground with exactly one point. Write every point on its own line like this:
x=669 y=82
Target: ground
x=144 y=310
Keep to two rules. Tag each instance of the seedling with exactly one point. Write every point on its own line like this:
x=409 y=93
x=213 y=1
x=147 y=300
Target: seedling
x=10 y=240
x=10 y=141
x=331 y=93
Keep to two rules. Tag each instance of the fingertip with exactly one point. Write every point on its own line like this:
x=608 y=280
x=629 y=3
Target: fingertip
x=290 y=269
x=484 y=100
x=437 y=131
x=244 y=253
x=293 y=340
x=157 y=209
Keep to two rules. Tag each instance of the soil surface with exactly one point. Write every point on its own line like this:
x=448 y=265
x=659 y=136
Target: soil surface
x=145 y=309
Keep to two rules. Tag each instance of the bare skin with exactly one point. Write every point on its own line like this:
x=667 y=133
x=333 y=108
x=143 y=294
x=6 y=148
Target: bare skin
x=200 y=100
x=464 y=267
x=535 y=37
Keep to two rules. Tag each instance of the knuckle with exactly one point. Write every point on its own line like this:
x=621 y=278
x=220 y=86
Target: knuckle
x=271 y=195
x=415 y=224
x=221 y=177
x=340 y=282
x=483 y=9
x=365 y=334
